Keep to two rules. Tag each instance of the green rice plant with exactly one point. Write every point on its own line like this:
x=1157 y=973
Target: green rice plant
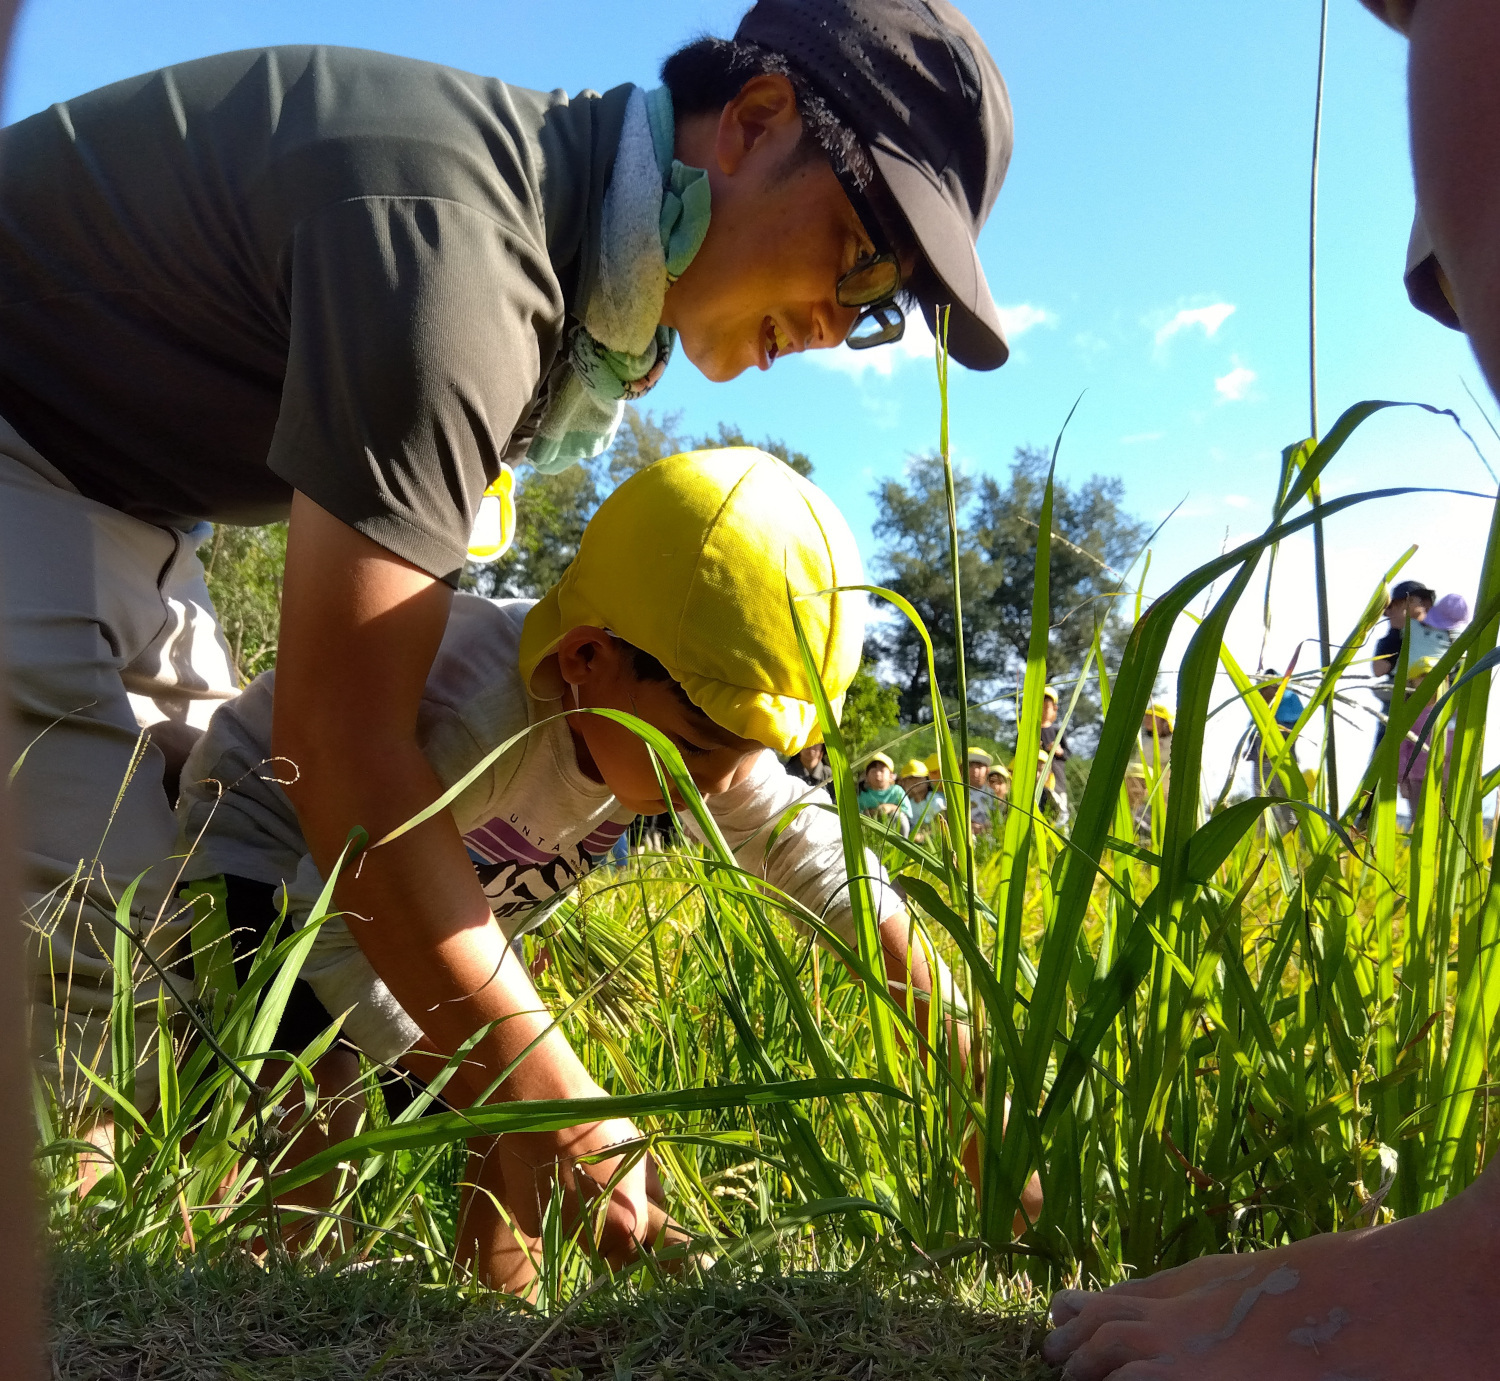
x=1202 y=1027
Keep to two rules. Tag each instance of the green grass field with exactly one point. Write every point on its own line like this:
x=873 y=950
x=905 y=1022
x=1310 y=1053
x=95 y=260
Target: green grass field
x=1213 y=1037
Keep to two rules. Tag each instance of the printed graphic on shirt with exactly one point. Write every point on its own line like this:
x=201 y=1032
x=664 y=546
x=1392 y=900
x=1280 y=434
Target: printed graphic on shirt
x=518 y=871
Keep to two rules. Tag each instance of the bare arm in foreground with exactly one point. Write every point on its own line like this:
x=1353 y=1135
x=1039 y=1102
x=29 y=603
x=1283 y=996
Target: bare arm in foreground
x=359 y=630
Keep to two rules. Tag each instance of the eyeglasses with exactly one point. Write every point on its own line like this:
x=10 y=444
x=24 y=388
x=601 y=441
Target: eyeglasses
x=872 y=285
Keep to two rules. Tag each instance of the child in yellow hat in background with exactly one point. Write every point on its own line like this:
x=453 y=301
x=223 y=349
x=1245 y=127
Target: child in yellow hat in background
x=925 y=802
x=675 y=609
x=882 y=797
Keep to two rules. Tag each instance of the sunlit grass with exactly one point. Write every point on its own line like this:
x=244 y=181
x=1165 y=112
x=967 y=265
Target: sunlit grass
x=1213 y=1036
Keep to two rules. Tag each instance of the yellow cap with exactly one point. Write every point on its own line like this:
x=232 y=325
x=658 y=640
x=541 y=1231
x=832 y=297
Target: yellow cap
x=980 y=756
x=689 y=560
x=934 y=765
x=882 y=760
x=916 y=768
x=1166 y=713
x=1002 y=769
x=1050 y=693
x=1418 y=669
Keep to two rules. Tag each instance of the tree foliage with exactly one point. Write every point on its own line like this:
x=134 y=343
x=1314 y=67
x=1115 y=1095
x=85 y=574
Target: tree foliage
x=870 y=709
x=243 y=566
x=1093 y=539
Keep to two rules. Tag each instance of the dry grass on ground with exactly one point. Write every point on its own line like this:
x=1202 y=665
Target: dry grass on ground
x=114 y=1321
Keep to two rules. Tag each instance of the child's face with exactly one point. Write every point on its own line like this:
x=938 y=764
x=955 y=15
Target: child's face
x=878 y=776
x=1049 y=712
x=600 y=675
x=978 y=774
x=915 y=787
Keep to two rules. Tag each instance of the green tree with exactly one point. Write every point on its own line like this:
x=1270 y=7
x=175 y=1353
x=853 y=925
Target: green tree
x=243 y=566
x=733 y=436
x=1093 y=542
x=871 y=708
x=1093 y=539
x=912 y=524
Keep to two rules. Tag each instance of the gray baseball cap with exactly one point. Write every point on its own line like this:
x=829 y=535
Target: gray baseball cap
x=918 y=87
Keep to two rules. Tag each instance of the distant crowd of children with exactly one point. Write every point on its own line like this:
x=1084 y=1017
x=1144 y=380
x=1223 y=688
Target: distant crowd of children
x=911 y=799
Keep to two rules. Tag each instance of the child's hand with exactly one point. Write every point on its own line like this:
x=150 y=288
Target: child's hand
x=575 y=1162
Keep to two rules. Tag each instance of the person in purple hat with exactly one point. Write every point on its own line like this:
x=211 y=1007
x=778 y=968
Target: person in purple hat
x=1433 y=635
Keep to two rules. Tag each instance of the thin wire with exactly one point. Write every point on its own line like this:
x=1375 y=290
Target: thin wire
x=1319 y=552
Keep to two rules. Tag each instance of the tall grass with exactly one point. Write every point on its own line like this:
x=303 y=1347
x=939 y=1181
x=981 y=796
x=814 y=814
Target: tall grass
x=1210 y=1034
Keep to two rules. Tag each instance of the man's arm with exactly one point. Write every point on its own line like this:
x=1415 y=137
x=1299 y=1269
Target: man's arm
x=1455 y=118
x=359 y=630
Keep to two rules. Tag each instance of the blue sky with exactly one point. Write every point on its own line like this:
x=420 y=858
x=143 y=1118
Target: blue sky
x=1149 y=249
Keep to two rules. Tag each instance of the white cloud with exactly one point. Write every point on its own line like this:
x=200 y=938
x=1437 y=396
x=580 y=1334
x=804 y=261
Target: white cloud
x=882 y=360
x=1236 y=501
x=1209 y=318
x=1135 y=438
x=1018 y=320
x=1235 y=385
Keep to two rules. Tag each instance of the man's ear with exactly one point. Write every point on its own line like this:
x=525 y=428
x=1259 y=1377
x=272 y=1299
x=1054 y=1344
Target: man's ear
x=765 y=107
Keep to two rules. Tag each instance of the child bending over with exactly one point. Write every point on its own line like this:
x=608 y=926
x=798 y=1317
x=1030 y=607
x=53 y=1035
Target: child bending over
x=674 y=610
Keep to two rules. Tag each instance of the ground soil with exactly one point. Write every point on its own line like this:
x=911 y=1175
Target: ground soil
x=113 y=1321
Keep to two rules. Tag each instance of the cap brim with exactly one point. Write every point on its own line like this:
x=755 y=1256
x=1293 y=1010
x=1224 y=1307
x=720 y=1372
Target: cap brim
x=951 y=274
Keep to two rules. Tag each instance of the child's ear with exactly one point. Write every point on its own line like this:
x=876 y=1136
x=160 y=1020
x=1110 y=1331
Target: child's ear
x=581 y=652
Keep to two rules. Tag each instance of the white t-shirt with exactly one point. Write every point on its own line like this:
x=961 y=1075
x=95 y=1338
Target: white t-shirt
x=532 y=821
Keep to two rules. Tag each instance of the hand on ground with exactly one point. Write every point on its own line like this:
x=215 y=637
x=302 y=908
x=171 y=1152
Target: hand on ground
x=1403 y=1302
x=576 y=1163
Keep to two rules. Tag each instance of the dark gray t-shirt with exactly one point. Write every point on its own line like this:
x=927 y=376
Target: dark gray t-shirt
x=314 y=268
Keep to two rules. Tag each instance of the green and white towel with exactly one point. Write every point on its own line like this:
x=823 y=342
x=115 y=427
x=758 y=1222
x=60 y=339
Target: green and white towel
x=656 y=213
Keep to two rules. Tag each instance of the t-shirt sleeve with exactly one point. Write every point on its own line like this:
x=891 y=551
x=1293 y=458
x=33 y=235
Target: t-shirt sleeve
x=420 y=330
x=1396 y=13
x=806 y=859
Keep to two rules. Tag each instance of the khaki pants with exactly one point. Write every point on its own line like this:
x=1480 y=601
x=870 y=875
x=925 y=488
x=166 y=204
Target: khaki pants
x=108 y=629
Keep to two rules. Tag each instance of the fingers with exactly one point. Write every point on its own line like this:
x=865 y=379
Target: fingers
x=1116 y=1347
x=1084 y=1320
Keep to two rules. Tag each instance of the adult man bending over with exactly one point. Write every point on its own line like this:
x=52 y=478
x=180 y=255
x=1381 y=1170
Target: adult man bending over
x=348 y=287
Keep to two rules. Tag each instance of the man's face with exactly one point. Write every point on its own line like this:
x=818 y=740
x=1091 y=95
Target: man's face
x=812 y=755
x=878 y=776
x=763 y=283
x=1412 y=607
x=599 y=672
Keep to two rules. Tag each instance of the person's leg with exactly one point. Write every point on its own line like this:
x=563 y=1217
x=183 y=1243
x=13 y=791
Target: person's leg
x=95 y=629
x=252 y=909
x=1405 y=1301
x=1420 y=1297
x=21 y=1358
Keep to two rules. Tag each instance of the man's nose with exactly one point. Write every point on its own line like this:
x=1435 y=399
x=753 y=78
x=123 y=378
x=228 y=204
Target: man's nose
x=831 y=325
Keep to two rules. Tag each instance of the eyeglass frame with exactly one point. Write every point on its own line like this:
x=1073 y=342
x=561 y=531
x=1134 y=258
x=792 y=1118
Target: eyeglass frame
x=887 y=310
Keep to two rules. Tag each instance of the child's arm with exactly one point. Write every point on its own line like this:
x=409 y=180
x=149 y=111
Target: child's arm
x=807 y=862
x=359 y=631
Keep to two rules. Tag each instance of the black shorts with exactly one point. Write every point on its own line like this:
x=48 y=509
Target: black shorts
x=252 y=910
